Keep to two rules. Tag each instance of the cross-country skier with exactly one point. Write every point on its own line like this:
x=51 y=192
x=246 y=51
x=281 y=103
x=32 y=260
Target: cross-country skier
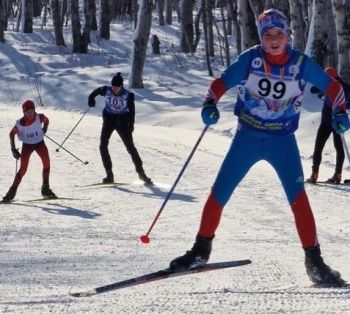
x=118 y=115
x=30 y=129
x=325 y=129
x=270 y=80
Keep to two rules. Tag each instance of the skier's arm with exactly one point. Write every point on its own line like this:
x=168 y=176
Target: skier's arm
x=15 y=153
x=131 y=109
x=45 y=121
x=101 y=91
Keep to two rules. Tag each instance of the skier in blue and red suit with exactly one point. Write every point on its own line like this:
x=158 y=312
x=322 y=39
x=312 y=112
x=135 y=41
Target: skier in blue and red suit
x=270 y=80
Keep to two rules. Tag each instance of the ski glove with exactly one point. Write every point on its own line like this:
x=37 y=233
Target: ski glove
x=92 y=102
x=340 y=121
x=15 y=153
x=210 y=114
x=45 y=129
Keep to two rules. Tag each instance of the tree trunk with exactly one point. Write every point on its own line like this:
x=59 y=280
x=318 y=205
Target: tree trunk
x=323 y=42
x=205 y=30
x=57 y=23
x=342 y=24
x=247 y=24
x=27 y=16
x=169 y=12
x=105 y=19
x=76 y=25
x=140 y=42
x=186 y=40
x=209 y=14
x=226 y=43
x=2 y=20
x=161 y=12
x=297 y=25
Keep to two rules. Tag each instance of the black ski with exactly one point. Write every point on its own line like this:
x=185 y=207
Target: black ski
x=325 y=183
x=44 y=199
x=101 y=184
x=345 y=285
x=158 y=275
x=104 y=184
x=57 y=198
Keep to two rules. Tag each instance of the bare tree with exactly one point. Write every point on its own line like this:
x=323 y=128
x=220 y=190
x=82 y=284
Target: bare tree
x=247 y=24
x=57 y=23
x=324 y=41
x=105 y=19
x=186 y=40
x=169 y=12
x=81 y=40
x=342 y=23
x=209 y=25
x=160 y=5
x=2 y=20
x=27 y=16
x=297 y=24
x=140 y=42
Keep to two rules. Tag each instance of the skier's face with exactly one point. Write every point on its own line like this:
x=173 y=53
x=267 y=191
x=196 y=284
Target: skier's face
x=116 y=89
x=274 y=41
x=29 y=114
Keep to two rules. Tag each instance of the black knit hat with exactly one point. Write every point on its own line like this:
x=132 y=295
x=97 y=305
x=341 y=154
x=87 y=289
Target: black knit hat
x=117 y=80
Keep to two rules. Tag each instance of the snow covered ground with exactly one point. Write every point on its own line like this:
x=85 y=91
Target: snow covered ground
x=49 y=249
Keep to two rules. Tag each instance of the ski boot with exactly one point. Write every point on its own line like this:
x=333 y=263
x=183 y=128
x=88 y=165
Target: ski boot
x=318 y=271
x=10 y=195
x=313 y=178
x=335 y=179
x=196 y=257
x=144 y=178
x=347 y=181
x=109 y=178
x=47 y=192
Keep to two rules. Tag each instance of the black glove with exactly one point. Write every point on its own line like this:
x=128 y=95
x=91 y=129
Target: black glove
x=91 y=102
x=44 y=129
x=15 y=153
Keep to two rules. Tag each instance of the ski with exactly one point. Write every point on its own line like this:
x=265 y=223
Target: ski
x=104 y=184
x=101 y=184
x=57 y=198
x=44 y=199
x=158 y=275
x=345 y=285
x=325 y=183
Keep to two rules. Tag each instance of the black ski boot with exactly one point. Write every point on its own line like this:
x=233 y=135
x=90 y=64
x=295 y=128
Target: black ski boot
x=47 y=192
x=144 y=178
x=109 y=178
x=196 y=257
x=336 y=179
x=10 y=195
x=318 y=271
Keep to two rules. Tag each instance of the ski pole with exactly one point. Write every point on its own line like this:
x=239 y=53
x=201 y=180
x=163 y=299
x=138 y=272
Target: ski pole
x=60 y=146
x=85 y=163
x=345 y=146
x=145 y=238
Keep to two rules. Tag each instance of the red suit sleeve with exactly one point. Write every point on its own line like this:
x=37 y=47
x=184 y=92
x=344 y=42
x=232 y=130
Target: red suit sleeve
x=336 y=95
x=216 y=89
